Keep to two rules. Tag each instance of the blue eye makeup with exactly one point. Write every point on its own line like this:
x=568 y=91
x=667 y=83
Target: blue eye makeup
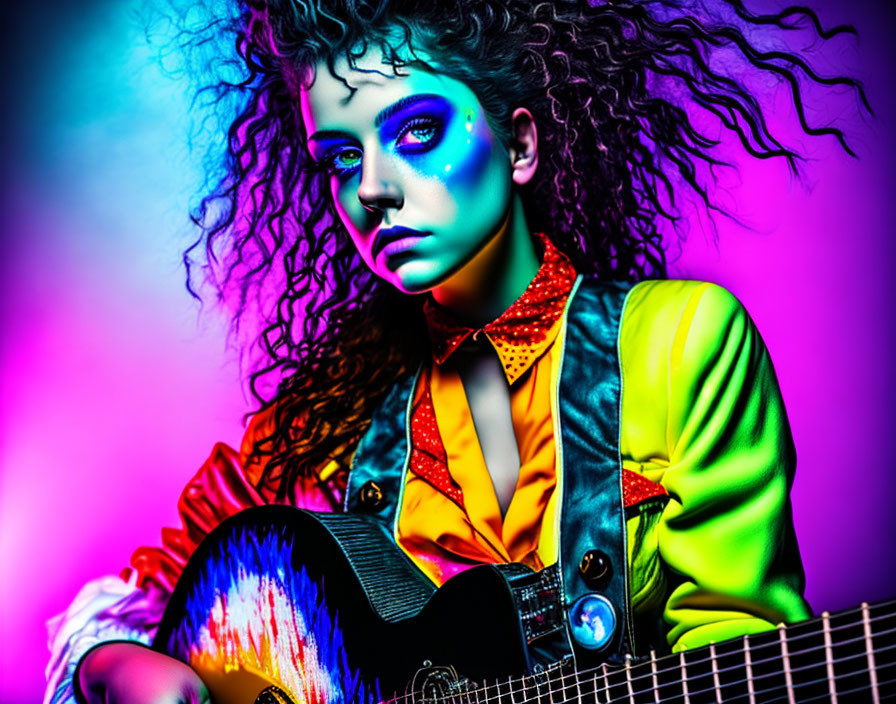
x=411 y=126
x=416 y=124
x=420 y=135
x=341 y=159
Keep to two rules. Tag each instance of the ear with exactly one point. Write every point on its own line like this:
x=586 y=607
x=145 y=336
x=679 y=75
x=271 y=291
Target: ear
x=524 y=151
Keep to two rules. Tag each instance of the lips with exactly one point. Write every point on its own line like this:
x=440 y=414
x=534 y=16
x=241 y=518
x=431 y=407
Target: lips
x=393 y=234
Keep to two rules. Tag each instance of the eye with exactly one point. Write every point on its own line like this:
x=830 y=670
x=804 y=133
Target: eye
x=419 y=135
x=340 y=161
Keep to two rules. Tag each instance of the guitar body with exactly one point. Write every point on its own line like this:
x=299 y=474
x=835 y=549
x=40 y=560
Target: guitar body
x=272 y=596
x=284 y=606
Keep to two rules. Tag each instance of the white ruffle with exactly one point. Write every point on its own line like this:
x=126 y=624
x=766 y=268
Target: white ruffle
x=105 y=609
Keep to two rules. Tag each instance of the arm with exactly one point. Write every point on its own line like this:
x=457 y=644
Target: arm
x=129 y=608
x=724 y=453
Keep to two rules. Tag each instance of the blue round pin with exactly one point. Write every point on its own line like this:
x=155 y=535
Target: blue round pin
x=593 y=621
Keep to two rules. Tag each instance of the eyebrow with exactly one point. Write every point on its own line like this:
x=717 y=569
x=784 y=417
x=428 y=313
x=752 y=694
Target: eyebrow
x=324 y=135
x=387 y=112
x=404 y=104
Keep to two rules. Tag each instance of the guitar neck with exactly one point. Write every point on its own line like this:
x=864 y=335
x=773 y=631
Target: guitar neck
x=844 y=658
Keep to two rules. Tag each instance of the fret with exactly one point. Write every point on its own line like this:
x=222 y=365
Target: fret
x=715 y=673
x=568 y=690
x=628 y=678
x=555 y=687
x=653 y=678
x=697 y=668
x=533 y=688
x=785 y=661
x=806 y=657
x=606 y=676
x=576 y=685
x=511 y=691
x=728 y=673
x=666 y=680
x=684 y=677
x=869 y=654
x=584 y=689
x=617 y=690
x=537 y=681
x=595 y=686
x=494 y=696
x=882 y=620
x=769 y=673
x=829 y=656
x=849 y=656
x=748 y=662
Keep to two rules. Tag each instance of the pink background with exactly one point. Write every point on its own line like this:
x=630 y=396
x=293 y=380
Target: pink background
x=115 y=386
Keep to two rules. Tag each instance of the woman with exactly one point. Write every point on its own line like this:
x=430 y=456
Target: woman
x=444 y=200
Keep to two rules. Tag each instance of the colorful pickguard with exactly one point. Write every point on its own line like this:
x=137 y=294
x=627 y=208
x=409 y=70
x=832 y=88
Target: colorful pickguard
x=251 y=621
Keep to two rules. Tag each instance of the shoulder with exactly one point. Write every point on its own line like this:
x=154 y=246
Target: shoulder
x=673 y=333
x=675 y=298
x=679 y=313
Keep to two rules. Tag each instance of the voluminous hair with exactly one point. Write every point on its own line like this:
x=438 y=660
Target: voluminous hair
x=620 y=92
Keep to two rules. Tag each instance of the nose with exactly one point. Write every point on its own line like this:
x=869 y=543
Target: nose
x=379 y=189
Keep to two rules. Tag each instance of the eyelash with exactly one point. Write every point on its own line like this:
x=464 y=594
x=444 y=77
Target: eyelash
x=418 y=123
x=328 y=162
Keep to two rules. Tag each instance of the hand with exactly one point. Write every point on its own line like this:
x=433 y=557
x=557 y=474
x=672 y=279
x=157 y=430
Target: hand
x=129 y=673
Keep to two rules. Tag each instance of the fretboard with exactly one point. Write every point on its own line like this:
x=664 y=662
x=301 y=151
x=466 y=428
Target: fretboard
x=841 y=658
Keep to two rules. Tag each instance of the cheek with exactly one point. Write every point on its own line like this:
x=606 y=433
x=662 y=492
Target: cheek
x=480 y=177
x=470 y=166
x=460 y=160
x=352 y=215
x=345 y=197
x=467 y=166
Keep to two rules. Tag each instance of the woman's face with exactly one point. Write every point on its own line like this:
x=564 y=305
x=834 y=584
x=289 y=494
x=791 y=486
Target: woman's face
x=416 y=174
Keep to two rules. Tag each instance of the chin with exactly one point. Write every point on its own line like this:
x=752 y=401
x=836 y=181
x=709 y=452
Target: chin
x=414 y=280
x=411 y=288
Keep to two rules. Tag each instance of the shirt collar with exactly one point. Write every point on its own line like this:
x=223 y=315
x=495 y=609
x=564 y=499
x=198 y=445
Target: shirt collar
x=523 y=332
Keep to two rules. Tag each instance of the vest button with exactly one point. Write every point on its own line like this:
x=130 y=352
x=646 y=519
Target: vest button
x=595 y=568
x=371 y=496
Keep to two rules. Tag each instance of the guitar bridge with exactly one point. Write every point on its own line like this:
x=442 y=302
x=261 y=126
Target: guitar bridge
x=435 y=684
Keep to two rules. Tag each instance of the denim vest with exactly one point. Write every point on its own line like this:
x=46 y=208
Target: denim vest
x=588 y=401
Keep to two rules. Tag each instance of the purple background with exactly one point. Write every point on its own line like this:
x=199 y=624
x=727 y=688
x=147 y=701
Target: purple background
x=114 y=387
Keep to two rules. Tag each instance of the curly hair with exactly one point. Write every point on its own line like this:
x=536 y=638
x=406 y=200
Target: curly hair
x=614 y=88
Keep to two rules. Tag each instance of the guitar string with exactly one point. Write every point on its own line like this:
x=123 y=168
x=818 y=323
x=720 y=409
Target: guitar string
x=802 y=627
x=728 y=698
x=775 y=645
x=796 y=685
x=817 y=697
x=538 y=697
x=539 y=679
x=863 y=688
x=621 y=683
x=844 y=693
x=511 y=691
x=756 y=648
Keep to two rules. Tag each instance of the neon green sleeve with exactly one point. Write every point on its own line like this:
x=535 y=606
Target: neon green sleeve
x=703 y=415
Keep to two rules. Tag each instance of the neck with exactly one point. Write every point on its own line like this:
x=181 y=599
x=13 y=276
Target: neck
x=496 y=276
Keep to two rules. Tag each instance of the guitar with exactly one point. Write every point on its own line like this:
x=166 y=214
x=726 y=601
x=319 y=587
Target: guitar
x=283 y=606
